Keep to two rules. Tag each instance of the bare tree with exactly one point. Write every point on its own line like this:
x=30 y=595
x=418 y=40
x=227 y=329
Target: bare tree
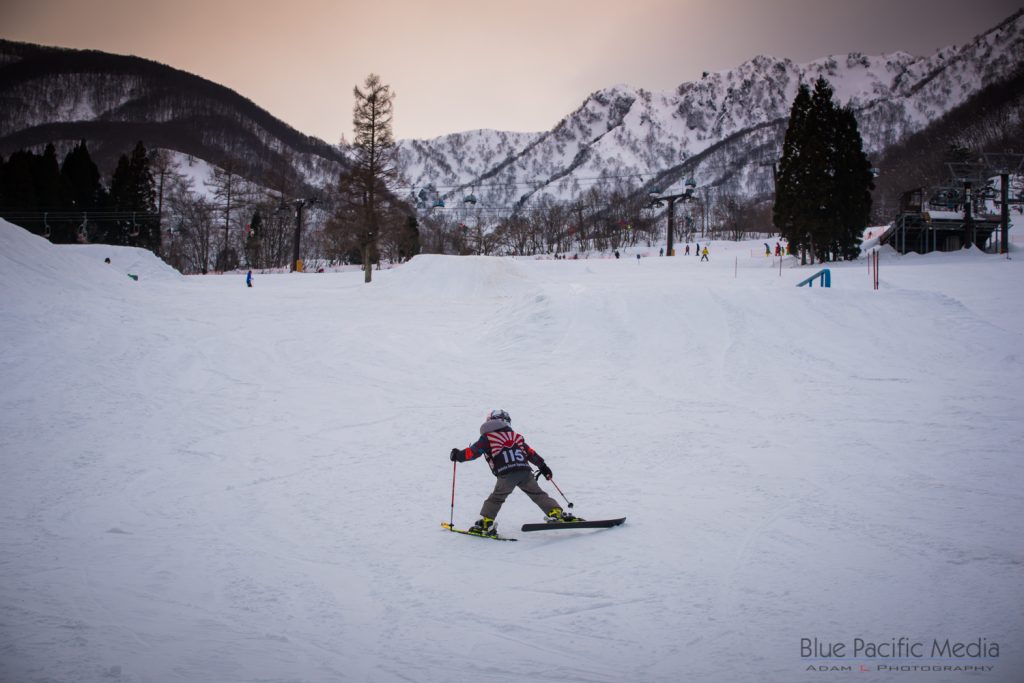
x=374 y=165
x=167 y=177
x=191 y=220
x=225 y=186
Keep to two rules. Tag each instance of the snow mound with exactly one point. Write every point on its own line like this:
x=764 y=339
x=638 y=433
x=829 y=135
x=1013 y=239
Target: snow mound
x=142 y=263
x=457 y=278
x=31 y=262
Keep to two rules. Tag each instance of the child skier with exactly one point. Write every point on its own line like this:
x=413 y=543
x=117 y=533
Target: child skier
x=509 y=457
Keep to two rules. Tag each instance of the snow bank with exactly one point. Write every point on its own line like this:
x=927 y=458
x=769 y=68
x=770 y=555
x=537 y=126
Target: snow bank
x=32 y=262
x=439 y=277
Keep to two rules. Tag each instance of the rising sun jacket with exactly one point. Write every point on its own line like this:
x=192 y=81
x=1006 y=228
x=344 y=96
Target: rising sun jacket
x=503 y=449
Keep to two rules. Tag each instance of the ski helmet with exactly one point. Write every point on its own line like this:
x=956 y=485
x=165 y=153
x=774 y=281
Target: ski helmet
x=499 y=415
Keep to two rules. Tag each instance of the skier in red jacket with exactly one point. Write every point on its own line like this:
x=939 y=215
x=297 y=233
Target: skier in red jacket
x=509 y=457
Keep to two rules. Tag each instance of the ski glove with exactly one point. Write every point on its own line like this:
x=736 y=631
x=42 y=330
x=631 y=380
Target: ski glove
x=545 y=471
x=456 y=455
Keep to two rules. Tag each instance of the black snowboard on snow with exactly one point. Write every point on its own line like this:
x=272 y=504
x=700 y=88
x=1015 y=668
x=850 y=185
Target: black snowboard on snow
x=589 y=524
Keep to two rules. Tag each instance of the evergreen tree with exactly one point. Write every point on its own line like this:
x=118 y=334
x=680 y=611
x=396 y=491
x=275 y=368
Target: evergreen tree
x=852 y=184
x=117 y=231
x=19 y=182
x=822 y=149
x=792 y=176
x=80 y=181
x=824 y=183
x=30 y=188
x=144 y=199
x=81 y=191
x=133 y=195
x=46 y=179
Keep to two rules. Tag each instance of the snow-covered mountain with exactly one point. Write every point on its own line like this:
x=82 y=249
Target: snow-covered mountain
x=723 y=130
x=62 y=96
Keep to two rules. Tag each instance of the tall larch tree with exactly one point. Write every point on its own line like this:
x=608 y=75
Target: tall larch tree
x=226 y=186
x=373 y=164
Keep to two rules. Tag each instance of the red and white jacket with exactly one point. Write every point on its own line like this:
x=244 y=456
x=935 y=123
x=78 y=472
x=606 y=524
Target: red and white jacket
x=503 y=449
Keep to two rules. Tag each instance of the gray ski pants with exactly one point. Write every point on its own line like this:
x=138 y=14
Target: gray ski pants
x=507 y=483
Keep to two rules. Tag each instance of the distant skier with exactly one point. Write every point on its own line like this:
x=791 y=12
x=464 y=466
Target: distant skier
x=248 y=279
x=778 y=249
x=697 y=252
x=509 y=457
x=767 y=250
x=704 y=254
x=687 y=249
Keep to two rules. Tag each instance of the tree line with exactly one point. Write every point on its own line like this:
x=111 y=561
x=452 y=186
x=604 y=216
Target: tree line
x=227 y=221
x=68 y=201
x=151 y=200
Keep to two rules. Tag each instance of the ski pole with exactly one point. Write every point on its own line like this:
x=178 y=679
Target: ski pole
x=451 y=520
x=537 y=477
x=560 y=492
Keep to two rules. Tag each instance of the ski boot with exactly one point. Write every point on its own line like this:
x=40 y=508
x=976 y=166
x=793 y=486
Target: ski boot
x=557 y=516
x=484 y=526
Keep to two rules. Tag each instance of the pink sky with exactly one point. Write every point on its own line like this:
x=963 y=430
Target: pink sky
x=457 y=65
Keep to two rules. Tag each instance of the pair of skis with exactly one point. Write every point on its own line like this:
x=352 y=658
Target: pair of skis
x=544 y=526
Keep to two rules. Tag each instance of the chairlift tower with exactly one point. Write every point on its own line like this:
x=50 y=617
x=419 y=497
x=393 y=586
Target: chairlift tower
x=657 y=198
x=970 y=175
x=1005 y=164
x=298 y=205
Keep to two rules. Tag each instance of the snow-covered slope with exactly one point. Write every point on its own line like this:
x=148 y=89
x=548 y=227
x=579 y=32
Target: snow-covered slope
x=207 y=482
